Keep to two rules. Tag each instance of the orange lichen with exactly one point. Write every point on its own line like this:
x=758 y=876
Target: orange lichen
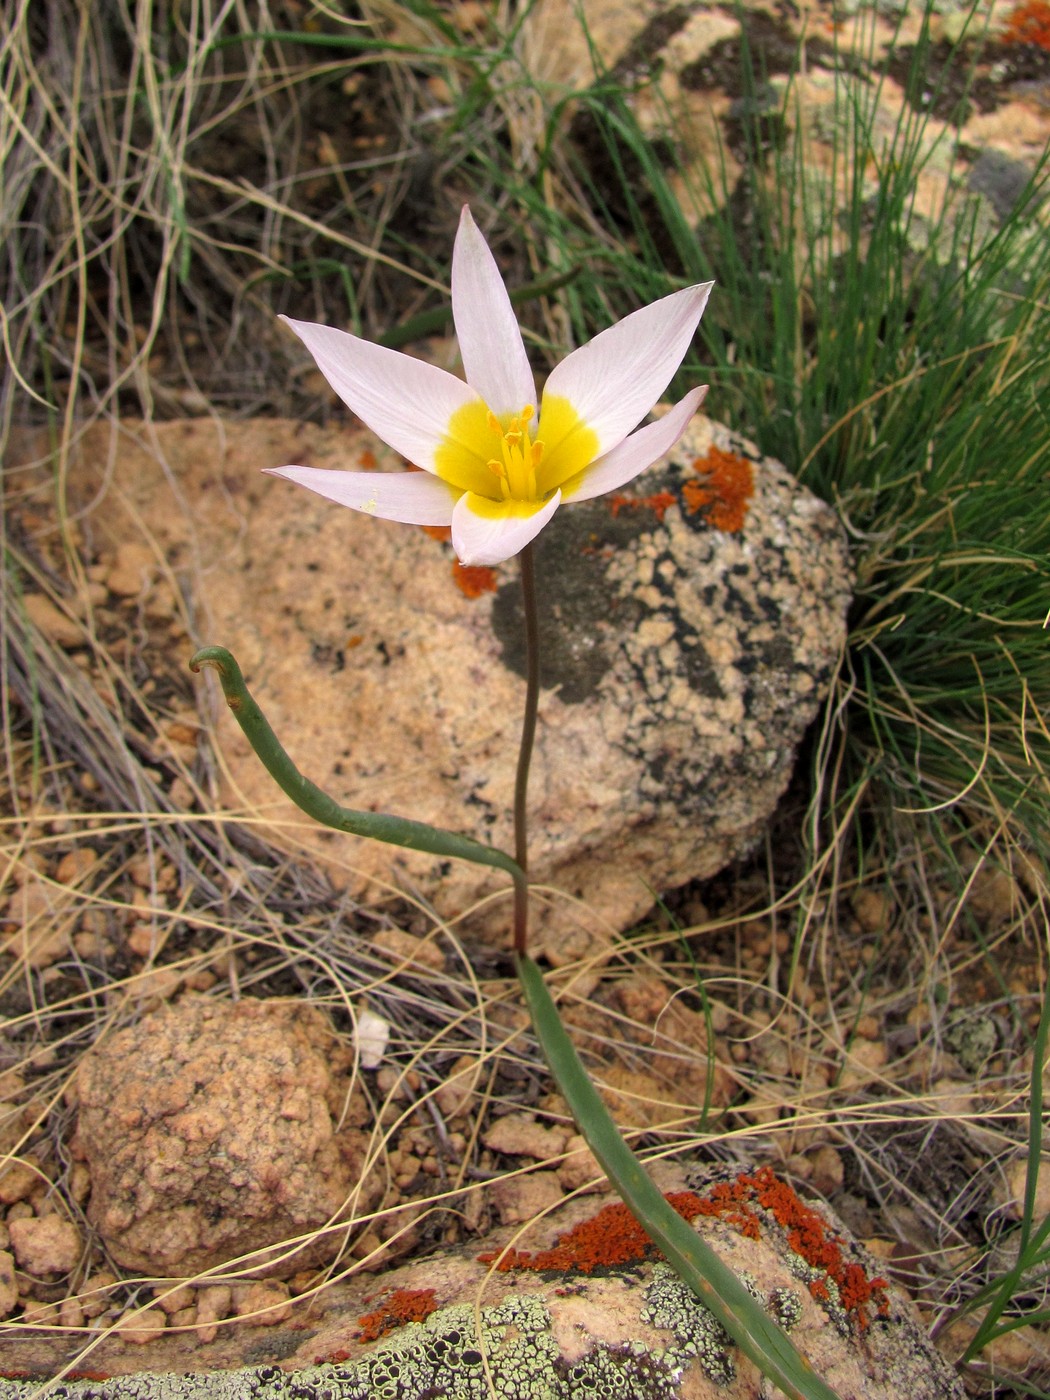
x=404 y=1305
x=808 y=1234
x=659 y=504
x=614 y=1237
x=473 y=579
x=437 y=532
x=1029 y=24
x=727 y=486
x=611 y=1237
x=366 y=460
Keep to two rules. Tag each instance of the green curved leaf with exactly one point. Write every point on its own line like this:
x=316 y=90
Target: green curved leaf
x=713 y=1282
x=395 y=831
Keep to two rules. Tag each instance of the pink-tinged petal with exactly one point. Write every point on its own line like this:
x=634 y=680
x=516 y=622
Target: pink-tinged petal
x=487 y=532
x=490 y=343
x=635 y=453
x=613 y=381
x=413 y=498
x=405 y=402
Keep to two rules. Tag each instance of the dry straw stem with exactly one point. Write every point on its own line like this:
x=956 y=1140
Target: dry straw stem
x=157 y=290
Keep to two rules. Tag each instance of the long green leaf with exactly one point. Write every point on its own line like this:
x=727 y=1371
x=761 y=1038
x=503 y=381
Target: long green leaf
x=396 y=831
x=713 y=1282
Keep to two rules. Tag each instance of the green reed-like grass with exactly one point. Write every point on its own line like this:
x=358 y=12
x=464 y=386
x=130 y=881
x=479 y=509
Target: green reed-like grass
x=895 y=361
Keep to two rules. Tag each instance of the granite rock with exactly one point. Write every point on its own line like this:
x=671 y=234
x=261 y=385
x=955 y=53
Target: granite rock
x=690 y=632
x=681 y=62
x=450 y=1325
x=209 y=1131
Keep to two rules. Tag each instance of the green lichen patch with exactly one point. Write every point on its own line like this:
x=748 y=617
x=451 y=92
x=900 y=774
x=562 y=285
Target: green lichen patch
x=512 y=1355
x=785 y=1308
x=620 y=1373
x=671 y=1305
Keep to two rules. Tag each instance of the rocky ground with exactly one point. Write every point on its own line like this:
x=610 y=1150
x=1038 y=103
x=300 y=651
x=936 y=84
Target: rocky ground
x=222 y=1030
x=237 y=1100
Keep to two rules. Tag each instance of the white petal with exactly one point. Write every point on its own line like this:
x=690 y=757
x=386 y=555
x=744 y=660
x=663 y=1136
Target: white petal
x=405 y=402
x=410 y=497
x=635 y=453
x=487 y=538
x=494 y=357
x=613 y=381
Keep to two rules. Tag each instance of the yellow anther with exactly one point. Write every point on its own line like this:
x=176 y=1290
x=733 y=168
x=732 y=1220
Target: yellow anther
x=499 y=470
x=521 y=456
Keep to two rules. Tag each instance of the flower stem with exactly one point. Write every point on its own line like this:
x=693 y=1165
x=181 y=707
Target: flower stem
x=528 y=735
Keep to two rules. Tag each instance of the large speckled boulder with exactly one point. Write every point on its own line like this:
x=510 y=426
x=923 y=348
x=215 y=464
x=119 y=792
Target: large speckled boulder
x=213 y=1130
x=690 y=631
x=630 y=1330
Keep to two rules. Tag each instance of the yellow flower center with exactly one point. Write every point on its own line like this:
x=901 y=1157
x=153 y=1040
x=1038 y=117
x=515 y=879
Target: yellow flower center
x=497 y=458
x=515 y=469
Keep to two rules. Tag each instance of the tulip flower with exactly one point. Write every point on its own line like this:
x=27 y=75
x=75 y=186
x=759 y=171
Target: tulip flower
x=496 y=470
x=496 y=462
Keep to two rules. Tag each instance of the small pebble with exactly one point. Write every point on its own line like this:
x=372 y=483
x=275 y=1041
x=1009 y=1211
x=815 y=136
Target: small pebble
x=140 y=1326
x=42 y=1247
x=75 y=864
x=52 y=621
x=520 y=1198
x=132 y=571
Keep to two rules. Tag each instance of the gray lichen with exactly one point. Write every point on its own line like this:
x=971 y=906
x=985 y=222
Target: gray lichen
x=670 y=1304
x=512 y=1355
x=443 y=1356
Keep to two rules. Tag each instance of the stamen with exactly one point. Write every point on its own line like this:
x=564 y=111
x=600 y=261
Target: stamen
x=521 y=456
x=499 y=470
